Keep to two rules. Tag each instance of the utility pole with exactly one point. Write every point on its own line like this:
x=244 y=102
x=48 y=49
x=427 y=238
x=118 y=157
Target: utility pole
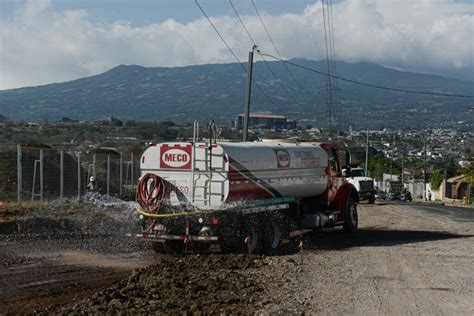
x=367 y=154
x=403 y=170
x=248 y=92
x=391 y=158
x=424 y=170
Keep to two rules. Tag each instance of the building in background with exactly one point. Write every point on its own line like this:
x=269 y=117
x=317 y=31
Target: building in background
x=264 y=120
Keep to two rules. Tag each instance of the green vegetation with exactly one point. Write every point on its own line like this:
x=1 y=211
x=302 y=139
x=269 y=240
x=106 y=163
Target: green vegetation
x=378 y=166
x=436 y=179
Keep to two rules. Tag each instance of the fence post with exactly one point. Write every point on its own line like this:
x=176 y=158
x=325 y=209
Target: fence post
x=108 y=174
x=61 y=175
x=121 y=174
x=19 y=175
x=78 y=175
x=41 y=176
x=94 y=159
x=131 y=168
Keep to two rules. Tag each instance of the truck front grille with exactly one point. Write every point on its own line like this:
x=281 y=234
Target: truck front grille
x=366 y=185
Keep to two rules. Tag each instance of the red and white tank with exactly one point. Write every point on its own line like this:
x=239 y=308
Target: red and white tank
x=214 y=176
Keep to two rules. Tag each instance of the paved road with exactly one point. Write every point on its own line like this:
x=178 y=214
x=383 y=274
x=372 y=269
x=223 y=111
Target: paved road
x=454 y=213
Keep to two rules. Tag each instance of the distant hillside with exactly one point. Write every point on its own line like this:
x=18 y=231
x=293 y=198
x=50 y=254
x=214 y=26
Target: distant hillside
x=217 y=91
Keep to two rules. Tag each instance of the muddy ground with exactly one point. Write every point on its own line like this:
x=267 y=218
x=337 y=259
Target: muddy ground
x=406 y=259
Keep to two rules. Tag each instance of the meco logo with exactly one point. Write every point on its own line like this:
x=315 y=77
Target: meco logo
x=283 y=158
x=179 y=158
x=175 y=157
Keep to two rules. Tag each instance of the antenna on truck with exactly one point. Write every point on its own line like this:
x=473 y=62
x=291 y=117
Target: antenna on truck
x=212 y=132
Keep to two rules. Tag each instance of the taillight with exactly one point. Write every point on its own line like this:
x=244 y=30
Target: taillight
x=215 y=221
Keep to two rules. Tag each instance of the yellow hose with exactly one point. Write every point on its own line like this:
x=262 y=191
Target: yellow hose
x=141 y=211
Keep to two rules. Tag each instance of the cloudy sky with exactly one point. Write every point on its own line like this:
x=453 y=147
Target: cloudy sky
x=45 y=41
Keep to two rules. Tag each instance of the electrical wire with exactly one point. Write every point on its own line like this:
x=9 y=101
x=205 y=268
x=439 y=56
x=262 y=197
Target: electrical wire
x=314 y=36
x=274 y=45
x=333 y=48
x=329 y=85
x=326 y=41
x=231 y=51
x=220 y=36
x=368 y=84
x=318 y=51
x=263 y=58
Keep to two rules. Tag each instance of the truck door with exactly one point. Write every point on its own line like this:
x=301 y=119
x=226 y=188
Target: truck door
x=334 y=172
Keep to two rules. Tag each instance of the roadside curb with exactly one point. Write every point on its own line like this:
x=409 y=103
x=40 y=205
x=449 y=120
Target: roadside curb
x=442 y=203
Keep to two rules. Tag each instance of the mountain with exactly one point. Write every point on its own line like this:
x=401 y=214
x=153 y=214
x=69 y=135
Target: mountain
x=216 y=91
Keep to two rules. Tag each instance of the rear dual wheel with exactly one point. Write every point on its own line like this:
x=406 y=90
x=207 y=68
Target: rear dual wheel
x=263 y=238
x=253 y=239
x=273 y=237
x=169 y=247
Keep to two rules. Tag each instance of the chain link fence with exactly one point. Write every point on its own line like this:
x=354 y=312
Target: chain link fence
x=42 y=173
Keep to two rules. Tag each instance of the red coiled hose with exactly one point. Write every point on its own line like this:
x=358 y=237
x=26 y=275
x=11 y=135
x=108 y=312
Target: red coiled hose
x=150 y=192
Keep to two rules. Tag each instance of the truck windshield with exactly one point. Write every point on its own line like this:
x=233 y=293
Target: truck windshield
x=355 y=173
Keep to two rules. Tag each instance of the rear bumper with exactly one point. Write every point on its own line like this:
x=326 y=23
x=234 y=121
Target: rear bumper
x=165 y=237
x=366 y=194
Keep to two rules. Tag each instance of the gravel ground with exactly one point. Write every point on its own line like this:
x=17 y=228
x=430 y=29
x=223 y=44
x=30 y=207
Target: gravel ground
x=404 y=260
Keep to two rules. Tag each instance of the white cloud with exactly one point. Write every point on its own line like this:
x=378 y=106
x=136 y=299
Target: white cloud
x=40 y=45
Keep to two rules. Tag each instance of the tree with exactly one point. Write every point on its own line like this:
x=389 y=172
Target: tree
x=378 y=166
x=417 y=175
x=436 y=179
x=115 y=121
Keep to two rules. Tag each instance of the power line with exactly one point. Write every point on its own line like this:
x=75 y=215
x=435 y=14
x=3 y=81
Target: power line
x=331 y=37
x=329 y=95
x=336 y=85
x=326 y=41
x=231 y=51
x=368 y=84
x=314 y=36
x=220 y=36
x=263 y=58
x=315 y=42
x=274 y=45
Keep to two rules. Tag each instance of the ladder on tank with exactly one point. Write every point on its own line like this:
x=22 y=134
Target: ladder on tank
x=207 y=169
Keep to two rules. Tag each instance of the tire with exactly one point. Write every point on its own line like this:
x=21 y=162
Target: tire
x=157 y=247
x=256 y=240
x=273 y=237
x=351 y=219
x=371 y=199
x=173 y=247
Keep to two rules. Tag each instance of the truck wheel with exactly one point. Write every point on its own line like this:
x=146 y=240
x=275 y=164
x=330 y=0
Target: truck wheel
x=173 y=247
x=157 y=247
x=273 y=235
x=371 y=199
x=350 y=219
x=255 y=242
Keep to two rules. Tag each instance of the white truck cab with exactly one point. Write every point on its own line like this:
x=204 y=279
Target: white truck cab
x=363 y=184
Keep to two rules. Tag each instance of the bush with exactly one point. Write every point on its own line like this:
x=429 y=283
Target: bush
x=436 y=179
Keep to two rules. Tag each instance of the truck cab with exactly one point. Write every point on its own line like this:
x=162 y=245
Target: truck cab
x=363 y=184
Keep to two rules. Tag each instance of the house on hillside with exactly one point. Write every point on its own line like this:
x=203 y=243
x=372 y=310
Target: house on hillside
x=455 y=189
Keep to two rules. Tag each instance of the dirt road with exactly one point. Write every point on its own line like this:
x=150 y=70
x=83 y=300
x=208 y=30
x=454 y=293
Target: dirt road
x=406 y=259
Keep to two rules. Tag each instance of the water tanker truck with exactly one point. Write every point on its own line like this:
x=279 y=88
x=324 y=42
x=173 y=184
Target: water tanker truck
x=253 y=196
